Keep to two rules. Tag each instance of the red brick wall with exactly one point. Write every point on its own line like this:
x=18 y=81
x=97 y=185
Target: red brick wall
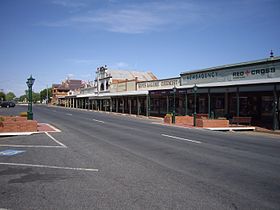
x=212 y=123
x=186 y=120
x=17 y=124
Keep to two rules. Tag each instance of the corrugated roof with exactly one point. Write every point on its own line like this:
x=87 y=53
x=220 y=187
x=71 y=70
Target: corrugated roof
x=130 y=75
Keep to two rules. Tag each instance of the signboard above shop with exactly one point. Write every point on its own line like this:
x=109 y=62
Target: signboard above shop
x=248 y=72
x=158 y=84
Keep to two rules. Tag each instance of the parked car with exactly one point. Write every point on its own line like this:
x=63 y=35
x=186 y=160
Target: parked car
x=7 y=104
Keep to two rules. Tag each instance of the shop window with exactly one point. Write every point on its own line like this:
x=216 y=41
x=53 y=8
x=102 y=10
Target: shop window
x=267 y=105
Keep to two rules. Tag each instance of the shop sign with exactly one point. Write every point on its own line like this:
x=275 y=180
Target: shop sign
x=158 y=84
x=205 y=75
x=263 y=71
x=248 y=73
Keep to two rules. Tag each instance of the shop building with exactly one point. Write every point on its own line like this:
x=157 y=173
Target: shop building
x=250 y=90
x=59 y=91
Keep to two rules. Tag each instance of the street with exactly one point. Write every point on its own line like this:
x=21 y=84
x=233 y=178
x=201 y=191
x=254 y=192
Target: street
x=108 y=161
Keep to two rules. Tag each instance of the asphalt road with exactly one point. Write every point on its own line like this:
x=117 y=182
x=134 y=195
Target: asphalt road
x=120 y=162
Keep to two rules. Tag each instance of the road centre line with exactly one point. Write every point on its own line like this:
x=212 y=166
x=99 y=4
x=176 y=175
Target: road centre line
x=183 y=139
x=69 y=114
x=49 y=135
x=98 y=121
x=52 y=167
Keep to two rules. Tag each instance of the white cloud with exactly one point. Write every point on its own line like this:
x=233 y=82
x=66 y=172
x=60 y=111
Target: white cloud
x=135 y=18
x=83 y=61
x=69 y=3
x=121 y=65
x=70 y=76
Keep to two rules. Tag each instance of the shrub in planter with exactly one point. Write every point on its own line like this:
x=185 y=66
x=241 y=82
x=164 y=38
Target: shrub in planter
x=23 y=114
x=168 y=118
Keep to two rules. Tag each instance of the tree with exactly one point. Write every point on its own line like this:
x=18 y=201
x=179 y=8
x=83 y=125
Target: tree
x=43 y=94
x=2 y=96
x=23 y=98
x=35 y=97
x=10 y=96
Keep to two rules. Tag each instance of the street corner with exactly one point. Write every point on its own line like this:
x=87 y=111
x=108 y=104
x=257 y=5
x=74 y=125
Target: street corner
x=45 y=127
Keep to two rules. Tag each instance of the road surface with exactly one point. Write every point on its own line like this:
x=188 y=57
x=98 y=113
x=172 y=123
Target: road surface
x=109 y=161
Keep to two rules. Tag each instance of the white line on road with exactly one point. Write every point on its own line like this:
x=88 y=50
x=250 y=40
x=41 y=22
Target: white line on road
x=52 y=167
x=49 y=135
x=31 y=146
x=98 y=121
x=69 y=114
x=183 y=139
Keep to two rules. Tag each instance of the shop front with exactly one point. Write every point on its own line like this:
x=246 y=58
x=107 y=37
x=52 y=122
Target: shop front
x=248 y=91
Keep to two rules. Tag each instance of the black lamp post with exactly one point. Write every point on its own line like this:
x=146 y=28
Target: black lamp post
x=174 y=104
x=194 y=114
x=30 y=82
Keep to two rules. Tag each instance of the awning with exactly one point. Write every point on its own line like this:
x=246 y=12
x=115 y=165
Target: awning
x=233 y=83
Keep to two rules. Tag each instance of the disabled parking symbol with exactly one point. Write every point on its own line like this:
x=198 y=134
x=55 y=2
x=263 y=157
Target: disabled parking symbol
x=10 y=152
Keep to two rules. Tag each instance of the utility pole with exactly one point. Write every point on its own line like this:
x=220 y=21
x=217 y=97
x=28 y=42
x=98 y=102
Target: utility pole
x=47 y=95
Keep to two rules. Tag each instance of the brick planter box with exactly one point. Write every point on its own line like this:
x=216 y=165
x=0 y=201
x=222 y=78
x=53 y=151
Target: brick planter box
x=213 y=123
x=185 y=120
x=17 y=124
x=179 y=120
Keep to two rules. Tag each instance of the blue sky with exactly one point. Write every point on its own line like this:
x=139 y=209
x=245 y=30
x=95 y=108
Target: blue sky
x=53 y=39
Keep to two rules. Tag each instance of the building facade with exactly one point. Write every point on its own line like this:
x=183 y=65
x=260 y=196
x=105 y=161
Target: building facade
x=60 y=91
x=248 y=89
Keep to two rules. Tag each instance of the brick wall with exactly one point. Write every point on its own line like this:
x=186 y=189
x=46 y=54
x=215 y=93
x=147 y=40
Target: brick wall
x=17 y=124
x=212 y=123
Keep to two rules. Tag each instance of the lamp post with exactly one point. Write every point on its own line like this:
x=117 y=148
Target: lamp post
x=30 y=82
x=174 y=104
x=194 y=114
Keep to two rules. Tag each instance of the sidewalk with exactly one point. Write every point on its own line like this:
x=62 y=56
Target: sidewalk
x=231 y=128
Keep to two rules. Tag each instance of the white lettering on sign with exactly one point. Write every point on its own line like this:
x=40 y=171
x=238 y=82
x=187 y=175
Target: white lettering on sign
x=157 y=84
x=205 y=75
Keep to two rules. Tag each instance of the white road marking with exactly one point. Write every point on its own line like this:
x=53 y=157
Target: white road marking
x=37 y=146
x=69 y=114
x=52 y=167
x=31 y=146
x=183 y=139
x=98 y=121
x=56 y=129
x=49 y=135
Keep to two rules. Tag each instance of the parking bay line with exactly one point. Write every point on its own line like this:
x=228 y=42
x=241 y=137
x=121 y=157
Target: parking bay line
x=62 y=146
x=30 y=146
x=183 y=139
x=51 y=167
x=49 y=135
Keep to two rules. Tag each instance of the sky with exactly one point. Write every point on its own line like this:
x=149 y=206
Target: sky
x=57 y=39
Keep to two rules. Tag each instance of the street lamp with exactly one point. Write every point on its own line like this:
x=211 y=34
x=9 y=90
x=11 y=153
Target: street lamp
x=194 y=114
x=174 y=104
x=30 y=82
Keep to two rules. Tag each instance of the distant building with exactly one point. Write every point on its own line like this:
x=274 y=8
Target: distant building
x=107 y=80
x=59 y=91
